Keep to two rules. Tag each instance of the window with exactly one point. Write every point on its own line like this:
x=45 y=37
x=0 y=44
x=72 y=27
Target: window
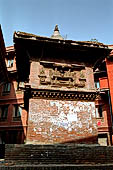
x=103 y=139
x=3 y=112
x=6 y=87
x=20 y=85
x=17 y=110
x=97 y=84
x=10 y=63
x=99 y=111
x=2 y=138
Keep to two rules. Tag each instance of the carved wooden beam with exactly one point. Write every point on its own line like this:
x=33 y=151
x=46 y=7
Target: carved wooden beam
x=63 y=95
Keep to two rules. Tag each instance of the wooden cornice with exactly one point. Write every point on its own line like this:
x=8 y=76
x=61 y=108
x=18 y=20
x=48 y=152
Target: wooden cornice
x=63 y=95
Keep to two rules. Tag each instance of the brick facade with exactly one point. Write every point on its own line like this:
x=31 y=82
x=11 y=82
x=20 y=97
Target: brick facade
x=62 y=107
x=61 y=121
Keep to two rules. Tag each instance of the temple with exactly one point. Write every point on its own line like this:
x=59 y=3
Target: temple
x=59 y=88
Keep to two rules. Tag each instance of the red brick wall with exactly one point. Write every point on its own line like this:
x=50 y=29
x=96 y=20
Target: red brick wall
x=60 y=121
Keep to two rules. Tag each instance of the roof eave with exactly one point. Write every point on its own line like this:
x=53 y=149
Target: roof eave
x=26 y=36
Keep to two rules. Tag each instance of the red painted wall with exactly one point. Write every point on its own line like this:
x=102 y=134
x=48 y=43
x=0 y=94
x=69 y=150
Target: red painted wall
x=109 y=65
x=103 y=83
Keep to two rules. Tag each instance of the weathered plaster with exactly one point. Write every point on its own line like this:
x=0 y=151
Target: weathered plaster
x=53 y=119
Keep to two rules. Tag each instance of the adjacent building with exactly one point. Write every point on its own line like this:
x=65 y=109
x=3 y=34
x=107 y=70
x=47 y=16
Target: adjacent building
x=13 y=115
x=3 y=70
x=104 y=103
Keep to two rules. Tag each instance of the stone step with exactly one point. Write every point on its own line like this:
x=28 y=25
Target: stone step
x=58 y=167
x=58 y=154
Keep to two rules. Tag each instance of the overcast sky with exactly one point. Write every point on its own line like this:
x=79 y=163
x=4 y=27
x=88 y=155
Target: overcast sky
x=77 y=19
